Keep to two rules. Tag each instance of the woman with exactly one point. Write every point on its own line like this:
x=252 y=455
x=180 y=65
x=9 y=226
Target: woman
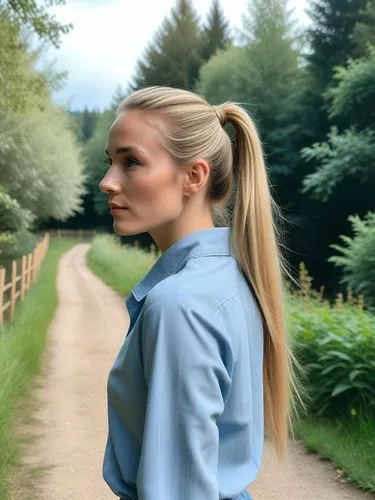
x=206 y=347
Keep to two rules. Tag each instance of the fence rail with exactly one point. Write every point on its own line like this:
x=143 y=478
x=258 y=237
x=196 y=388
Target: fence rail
x=15 y=290
x=81 y=234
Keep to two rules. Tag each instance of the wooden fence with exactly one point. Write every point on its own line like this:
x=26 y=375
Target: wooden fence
x=24 y=273
x=81 y=234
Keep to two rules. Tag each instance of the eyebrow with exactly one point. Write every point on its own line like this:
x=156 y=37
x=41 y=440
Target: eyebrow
x=126 y=149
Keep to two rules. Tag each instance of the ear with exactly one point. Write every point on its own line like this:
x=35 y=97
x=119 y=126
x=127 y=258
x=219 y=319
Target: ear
x=196 y=177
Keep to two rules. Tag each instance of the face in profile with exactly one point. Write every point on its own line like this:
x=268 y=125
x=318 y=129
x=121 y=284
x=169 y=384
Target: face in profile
x=143 y=182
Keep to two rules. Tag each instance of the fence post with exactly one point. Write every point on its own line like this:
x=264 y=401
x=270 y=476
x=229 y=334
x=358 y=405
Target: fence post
x=23 y=272
x=2 y=285
x=13 y=290
x=28 y=272
x=35 y=262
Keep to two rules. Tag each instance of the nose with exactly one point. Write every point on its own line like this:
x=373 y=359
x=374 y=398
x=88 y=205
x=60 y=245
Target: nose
x=109 y=184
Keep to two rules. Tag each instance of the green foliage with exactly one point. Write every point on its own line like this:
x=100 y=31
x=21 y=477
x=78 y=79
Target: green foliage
x=353 y=96
x=15 y=239
x=216 y=32
x=22 y=88
x=349 y=443
x=35 y=14
x=342 y=156
x=330 y=35
x=95 y=161
x=173 y=57
x=357 y=259
x=84 y=123
x=119 y=267
x=21 y=346
x=220 y=79
x=364 y=30
x=336 y=347
x=12 y=216
x=40 y=162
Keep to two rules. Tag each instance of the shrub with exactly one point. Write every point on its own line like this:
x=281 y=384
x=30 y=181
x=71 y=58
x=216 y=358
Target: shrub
x=336 y=347
x=120 y=267
x=357 y=258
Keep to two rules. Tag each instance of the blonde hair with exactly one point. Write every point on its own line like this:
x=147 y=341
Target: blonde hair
x=193 y=129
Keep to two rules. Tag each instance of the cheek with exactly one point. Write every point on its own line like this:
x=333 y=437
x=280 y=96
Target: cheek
x=160 y=190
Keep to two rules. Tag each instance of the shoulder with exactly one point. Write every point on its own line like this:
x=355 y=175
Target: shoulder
x=204 y=284
x=180 y=319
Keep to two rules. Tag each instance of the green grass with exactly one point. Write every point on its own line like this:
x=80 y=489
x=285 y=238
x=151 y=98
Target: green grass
x=349 y=444
x=22 y=343
x=119 y=267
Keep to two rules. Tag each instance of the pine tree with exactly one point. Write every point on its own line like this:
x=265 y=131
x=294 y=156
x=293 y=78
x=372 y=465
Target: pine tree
x=216 y=32
x=364 y=31
x=331 y=35
x=173 y=57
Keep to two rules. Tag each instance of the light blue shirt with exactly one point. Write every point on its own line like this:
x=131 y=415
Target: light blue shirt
x=185 y=394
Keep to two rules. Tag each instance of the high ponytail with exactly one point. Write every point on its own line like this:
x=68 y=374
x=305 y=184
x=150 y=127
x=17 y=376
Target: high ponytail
x=255 y=242
x=193 y=129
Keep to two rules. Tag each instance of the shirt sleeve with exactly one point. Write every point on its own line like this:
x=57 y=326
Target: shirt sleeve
x=184 y=356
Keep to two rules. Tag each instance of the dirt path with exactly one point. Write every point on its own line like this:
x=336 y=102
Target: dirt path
x=71 y=420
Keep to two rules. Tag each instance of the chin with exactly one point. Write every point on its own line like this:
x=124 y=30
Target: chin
x=126 y=229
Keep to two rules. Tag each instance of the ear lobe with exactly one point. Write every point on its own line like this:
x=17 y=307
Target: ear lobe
x=196 y=177
x=187 y=185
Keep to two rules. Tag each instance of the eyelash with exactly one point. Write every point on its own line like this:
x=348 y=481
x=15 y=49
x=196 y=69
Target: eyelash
x=127 y=160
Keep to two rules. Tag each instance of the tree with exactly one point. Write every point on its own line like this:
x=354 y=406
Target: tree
x=357 y=257
x=216 y=32
x=332 y=44
x=95 y=161
x=343 y=180
x=348 y=154
x=264 y=75
x=15 y=223
x=40 y=163
x=173 y=57
x=220 y=79
x=364 y=30
x=352 y=98
x=34 y=13
x=22 y=88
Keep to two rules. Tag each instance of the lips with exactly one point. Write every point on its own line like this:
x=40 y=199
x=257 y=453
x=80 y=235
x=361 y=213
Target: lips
x=116 y=206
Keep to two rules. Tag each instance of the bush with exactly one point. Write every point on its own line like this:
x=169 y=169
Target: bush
x=357 y=258
x=336 y=347
x=120 y=267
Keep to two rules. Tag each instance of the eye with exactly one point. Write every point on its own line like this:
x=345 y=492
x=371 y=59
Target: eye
x=131 y=162
x=108 y=161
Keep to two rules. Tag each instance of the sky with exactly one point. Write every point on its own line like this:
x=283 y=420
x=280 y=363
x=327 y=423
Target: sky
x=108 y=36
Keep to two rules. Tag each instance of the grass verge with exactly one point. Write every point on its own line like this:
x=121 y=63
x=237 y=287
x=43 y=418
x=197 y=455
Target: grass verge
x=119 y=267
x=350 y=445
x=21 y=346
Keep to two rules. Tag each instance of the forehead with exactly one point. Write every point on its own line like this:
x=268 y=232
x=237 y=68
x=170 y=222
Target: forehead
x=136 y=128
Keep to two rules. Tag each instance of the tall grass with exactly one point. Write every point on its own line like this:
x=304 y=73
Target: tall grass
x=349 y=443
x=120 y=267
x=21 y=345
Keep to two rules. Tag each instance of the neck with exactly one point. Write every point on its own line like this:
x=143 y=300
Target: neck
x=166 y=235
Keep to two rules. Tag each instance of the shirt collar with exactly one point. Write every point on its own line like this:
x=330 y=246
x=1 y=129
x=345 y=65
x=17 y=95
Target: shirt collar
x=205 y=242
